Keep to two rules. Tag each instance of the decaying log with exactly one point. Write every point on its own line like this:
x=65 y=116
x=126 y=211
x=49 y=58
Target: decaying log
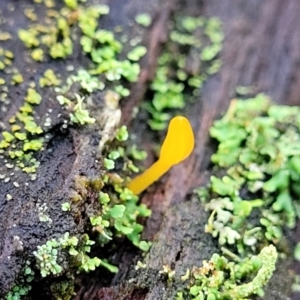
x=69 y=153
x=261 y=49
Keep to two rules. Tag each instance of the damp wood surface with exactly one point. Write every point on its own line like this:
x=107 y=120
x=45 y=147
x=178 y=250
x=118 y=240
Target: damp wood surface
x=261 y=49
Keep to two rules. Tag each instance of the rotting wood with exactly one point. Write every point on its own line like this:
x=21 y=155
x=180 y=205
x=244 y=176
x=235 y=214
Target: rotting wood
x=262 y=49
x=69 y=153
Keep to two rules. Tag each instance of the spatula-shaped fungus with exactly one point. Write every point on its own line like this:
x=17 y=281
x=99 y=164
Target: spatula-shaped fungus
x=177 y=146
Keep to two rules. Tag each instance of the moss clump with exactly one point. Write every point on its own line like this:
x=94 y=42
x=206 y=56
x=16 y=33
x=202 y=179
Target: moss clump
x=221 y=279
x=253 y=200
x=258 y=149
x=179 y=77
x=23 y=286
x=117 y=212
x=56 y=39
x=22 y=139
x=50 y=257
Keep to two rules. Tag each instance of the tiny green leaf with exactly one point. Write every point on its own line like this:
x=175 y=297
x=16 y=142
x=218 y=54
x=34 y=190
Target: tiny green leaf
x=117 y=211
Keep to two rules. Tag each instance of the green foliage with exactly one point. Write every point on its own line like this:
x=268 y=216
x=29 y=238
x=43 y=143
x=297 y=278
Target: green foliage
x=143 y=19
x=118 y=210
x=23 y=285
x=46 y=258
x=179 y=77
x=66 y=206
x=109 y=164
x=71 y=252
x=259 y=150
x=122 y=134
x=222 y=279
x=117 y=214
x=80 y=115
x=136 y=53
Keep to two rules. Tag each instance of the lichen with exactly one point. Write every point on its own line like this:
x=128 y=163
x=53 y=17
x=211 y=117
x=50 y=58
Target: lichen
x=51 y=35
x=259 y=150
x=179 y=77
x=253 y=200
x=222 y=279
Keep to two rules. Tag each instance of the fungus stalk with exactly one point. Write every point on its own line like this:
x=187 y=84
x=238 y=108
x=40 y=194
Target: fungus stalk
x=177 y=146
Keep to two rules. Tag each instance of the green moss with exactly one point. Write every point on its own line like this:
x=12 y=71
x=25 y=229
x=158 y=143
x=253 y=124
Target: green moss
x=266 y=165
x=257 y=156
x=143 y=19
x=71 y=3
x=33 y=97
x=17 y=78
x=221 y=279
x=23 y=286
x=63 y=290
x=117 y=212
x=177 y=81
x=49 y=79
x=37 y=54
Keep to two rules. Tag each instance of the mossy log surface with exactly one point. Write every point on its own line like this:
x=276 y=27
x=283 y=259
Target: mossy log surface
x=261 y=49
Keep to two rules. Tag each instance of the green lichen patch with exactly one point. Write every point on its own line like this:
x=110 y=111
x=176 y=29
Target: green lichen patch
x=52 y=31
x=179 y=77
x=113 y=215
x=48 y=37
x=259 y=149
x=49 y=79
x=253 y=200
x=51 y=256
x=22 y=288
x=6 y=58
x=117 y=212
x=54 y=36
x=23 y=138
x=222 y=279
x=55 y=41
x=143 y=19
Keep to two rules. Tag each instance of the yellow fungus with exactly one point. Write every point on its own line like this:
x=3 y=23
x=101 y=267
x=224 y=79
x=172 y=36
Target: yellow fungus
x=177 y=146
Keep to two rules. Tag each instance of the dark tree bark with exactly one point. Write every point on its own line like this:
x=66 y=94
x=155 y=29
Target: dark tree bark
x=261 y=49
